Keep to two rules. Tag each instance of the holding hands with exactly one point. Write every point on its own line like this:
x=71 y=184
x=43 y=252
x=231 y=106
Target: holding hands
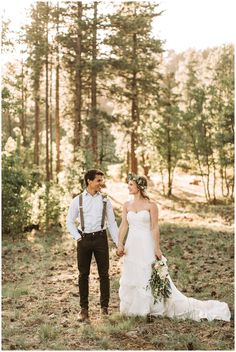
x=120 y=250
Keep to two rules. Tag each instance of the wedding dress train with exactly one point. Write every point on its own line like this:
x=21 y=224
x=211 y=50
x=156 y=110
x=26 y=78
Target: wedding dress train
x=136 y=299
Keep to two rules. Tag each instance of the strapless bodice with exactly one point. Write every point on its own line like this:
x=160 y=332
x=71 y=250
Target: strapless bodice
x=139 y=220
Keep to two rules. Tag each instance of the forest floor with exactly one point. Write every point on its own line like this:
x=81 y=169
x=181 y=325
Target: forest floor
x=40 y=301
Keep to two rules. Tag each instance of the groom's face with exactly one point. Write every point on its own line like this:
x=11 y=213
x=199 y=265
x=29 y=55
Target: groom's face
x=96 y=184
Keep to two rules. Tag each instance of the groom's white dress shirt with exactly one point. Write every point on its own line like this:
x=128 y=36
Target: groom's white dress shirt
x=92 y=210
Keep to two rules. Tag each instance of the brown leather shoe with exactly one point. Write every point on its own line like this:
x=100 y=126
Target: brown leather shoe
x=104 y=311
x=83 y=315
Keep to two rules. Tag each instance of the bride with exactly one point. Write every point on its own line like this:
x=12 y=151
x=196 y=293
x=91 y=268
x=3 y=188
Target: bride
x=141 y=248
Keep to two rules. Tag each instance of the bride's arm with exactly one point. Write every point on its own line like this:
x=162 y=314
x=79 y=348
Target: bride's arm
x=122 y=231
x=155 y=229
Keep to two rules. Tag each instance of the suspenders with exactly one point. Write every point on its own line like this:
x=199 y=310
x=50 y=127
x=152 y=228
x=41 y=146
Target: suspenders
x=104 y=200
x=81 y=211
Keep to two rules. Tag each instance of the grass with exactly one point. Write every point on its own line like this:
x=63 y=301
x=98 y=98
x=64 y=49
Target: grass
x=117 y=324
x=14 y=292
x=47 y=332
x=180 y=341
x=88 y=331
x=40 y=293
x=104 y=343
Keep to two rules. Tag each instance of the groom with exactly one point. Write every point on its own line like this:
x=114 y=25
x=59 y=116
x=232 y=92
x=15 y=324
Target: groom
x=91 y=208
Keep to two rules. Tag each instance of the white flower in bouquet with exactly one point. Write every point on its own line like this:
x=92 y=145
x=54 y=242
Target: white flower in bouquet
x=163 y=273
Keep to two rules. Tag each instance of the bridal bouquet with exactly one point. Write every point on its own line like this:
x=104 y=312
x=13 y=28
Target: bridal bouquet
x=159 y=282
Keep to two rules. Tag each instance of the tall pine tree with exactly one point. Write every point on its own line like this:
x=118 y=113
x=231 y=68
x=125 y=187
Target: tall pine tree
x=134 y=56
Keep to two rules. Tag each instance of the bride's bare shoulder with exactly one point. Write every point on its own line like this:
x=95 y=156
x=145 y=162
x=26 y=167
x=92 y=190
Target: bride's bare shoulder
x=153 y=204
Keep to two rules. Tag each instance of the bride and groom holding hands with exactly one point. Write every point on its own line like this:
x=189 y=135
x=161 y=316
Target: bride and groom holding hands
x=142 y=247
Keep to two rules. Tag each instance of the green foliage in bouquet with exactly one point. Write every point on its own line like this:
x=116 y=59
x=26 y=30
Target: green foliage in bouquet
x=159 y=282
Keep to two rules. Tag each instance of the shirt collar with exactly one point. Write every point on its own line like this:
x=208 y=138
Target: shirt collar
x=86 y=193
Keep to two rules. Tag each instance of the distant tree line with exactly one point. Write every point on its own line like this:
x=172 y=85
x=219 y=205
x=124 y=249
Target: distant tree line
x=92 y=77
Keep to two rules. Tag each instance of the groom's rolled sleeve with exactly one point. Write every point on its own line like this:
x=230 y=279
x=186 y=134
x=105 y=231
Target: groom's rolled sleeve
x=112 y=225
x=70 y=220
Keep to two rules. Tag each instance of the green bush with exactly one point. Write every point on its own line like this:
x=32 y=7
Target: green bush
x=15 y=207
x=49 y=205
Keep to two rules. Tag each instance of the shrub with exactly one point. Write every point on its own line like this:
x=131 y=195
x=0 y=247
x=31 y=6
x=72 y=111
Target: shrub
x=15 y=208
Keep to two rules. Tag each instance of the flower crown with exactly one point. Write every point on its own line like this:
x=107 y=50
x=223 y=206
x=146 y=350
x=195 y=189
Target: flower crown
x=139 y=180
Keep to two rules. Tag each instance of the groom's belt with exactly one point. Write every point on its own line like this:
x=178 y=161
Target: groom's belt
x=95 y=233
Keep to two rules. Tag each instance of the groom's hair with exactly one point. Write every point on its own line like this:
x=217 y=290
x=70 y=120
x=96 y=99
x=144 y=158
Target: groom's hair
x=91 y=174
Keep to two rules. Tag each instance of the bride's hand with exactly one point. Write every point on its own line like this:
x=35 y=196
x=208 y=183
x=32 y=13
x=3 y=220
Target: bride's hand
x=158 y=254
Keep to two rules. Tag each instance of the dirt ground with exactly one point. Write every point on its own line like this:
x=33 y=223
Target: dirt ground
x=40 y=301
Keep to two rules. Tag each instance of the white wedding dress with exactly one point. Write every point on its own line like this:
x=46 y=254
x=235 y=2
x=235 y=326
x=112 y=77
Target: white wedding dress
x=135 y=299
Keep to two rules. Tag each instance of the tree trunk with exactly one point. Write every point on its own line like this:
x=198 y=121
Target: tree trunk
x=169 y=193
x=226 y=181
x=232 y=189
x=134 y=161
x=94 y=125
x=134 y=111
x=47 y=110
x=23 y=109
x=128 y=162
x=222 y=181
x=146 y=167
x=200 y=166
x=78 y=83
x=214 y=180
x=50 y=124
x=57 y=112
x=169 y=168
x=102 y=152
x=9 y=123
x=162 y=181
x=208 y=179
x=36 y=120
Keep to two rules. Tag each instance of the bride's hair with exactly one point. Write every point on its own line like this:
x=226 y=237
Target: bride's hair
x=141 y=182
x=143 y=188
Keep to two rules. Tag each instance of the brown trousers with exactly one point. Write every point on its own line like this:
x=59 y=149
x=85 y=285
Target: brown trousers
x=98 y=245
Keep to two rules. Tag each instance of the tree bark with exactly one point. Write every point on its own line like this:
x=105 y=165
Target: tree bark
x=226 y=181
x=36 y=120
x=222 y=181
x=162 y=181
x=134 y=110
x=128 y=162
x=146 y=167
x=208 y=178
x=23 y=108
x=94 y=125
x=169 y=158
x=214 y=179
x=51 y=124
x=200 y=166
x=232 y=188
x=134 y=161
x=78 y=83
x=47 y=109
x=57 y=109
